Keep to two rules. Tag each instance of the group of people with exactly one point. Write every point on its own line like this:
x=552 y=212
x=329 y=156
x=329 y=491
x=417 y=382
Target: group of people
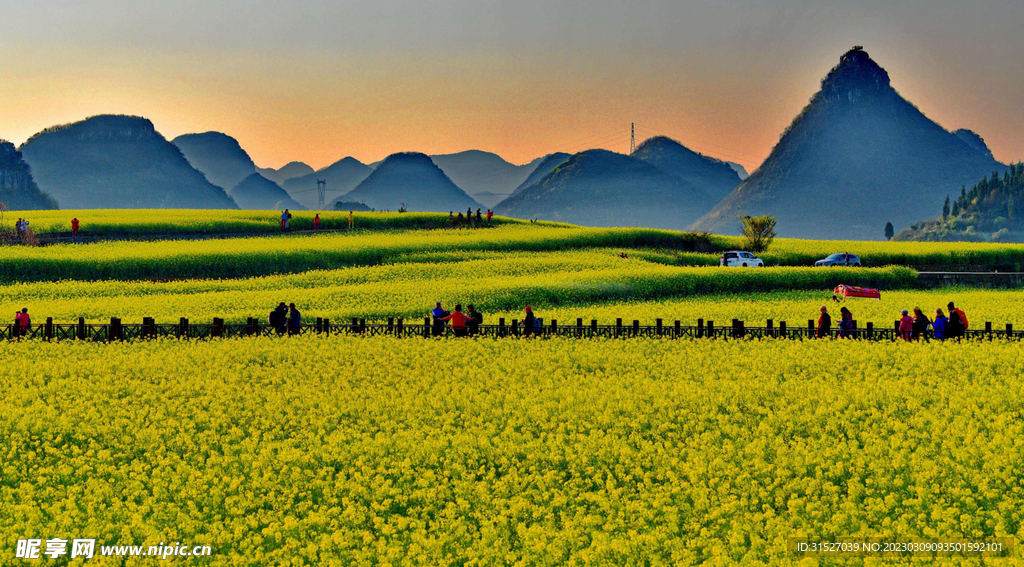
x=467 y=323
x=910 y=328
x=286 y=319
x=470 y=219
x=22 y=322
x=286 y=220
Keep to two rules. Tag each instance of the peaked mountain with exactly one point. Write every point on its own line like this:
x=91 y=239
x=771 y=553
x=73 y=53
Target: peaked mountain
x=714 y=177
x=603 y=188
x=858 y=155
x=18 y=191
x=117 y=162
x=258 y=192
x=739 y=169
x=479 y=172
x=341 y=176
x=290 y=170
x=413 y=180
x=546 y=165
x=218 y=156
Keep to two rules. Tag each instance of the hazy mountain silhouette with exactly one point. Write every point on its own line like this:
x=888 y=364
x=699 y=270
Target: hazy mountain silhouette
x=18 y=191
x=218 y=156
x=713 y=177
x=489 y=199
x=739 y=169
x=476 y=171
x=546 y=165
x=341 y=176
x=291 y=170
x=603 y=188
x=117 y=162
x=411 y=179
x=340 y=204
x=857 y=156
x=258 y=192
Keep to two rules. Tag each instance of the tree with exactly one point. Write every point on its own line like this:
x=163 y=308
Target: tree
x=758 y=231
x=945 y=208
x=889 y=231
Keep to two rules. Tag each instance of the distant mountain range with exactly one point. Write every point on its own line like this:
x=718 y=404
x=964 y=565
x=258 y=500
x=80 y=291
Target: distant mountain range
x=546 y=165
x=258 y=192
x=602 y=188
x=218 y=156
x=341 y=176
x=290 y=170
x=713 y=177
x=413 y=180
x=18 y=190
x=117 y=162
x=858 y=156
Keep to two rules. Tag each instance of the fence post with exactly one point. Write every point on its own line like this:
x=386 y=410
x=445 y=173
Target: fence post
x=636 y=328
x=400 y=326
x=743 y=329
x=770 y=327
x=710 y=330
x=678 y=328
x=618 y=327
x=426 y=327
x=515 y=327
x=554 y=327
x=896 y=330
x=593 y=327
x=735 y=328
x=700 y=328
x=48 y=329
x=988 y=329
x=218 y=327
x=183 y=328
x=870 y=330
x=327 y=326
x=810 y=328
x=319 y=325
x=782 y=329
x=657 y=327
x=81 y=329
x=501 y=326
x=355 y=324
x=362 y=325
x=114 y=333
x=1009 y=331
x=579 y=327
x=391 y=325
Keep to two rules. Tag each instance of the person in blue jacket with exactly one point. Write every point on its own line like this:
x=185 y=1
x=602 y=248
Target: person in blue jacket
x=939 y=325
x=294 y=320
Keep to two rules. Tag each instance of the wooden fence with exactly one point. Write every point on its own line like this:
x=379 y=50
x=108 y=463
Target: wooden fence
x=116 y=330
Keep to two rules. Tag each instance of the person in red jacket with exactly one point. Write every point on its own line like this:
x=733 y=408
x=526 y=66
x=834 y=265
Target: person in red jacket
x=963 y=319
x=906 y=326
x=458 y=319
x=316 y=222
x=22 y=321
x=490 y=214
x=74 y=227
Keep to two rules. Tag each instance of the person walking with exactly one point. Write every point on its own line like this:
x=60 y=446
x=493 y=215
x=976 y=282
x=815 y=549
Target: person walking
x=351 y=219
x=438 y=314
x=529 y=322
x=490 y=214
x=906 y=326
x=459 y=320
x=316 y=222
x=939 y=325
x=294 y=320
x=920 y=325
x=451 y=218
x=74 y=227
x=824 y=323
x=284 y=219
x=459 y=220
x=961 y=326
x=477 y=319
x=845 y=323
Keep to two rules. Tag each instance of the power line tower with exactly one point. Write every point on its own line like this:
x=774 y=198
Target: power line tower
x=321 y=192
x=632 y=139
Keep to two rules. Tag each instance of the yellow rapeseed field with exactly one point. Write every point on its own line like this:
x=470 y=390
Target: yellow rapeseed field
x=379 y=451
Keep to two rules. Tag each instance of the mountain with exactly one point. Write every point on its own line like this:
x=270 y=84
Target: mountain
x=546 y=165
x=713 y=177
x=477 y=172
x=258 y=192
x=858 y=155
x=411 y=179
x=218 y=156
x=18 y=191
x=991 y=210
x=340 y=204
x=291 y=170
x=739 y=169
x=603 y=188
x=341 y=176
x=117 y=162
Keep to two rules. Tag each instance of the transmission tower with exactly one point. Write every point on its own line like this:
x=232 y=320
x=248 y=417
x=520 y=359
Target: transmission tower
x=632 y=139
x=321 y=191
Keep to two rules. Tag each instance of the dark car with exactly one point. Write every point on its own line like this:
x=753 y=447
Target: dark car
x=841 y=259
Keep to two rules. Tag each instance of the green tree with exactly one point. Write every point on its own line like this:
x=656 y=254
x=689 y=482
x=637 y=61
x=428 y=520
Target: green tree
x=889 y=231
x=945 y=208
x=759 y=231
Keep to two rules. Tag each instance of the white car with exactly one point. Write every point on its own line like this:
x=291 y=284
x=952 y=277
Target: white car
x=740 y=258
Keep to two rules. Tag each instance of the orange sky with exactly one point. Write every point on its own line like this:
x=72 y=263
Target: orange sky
x=439 y=88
